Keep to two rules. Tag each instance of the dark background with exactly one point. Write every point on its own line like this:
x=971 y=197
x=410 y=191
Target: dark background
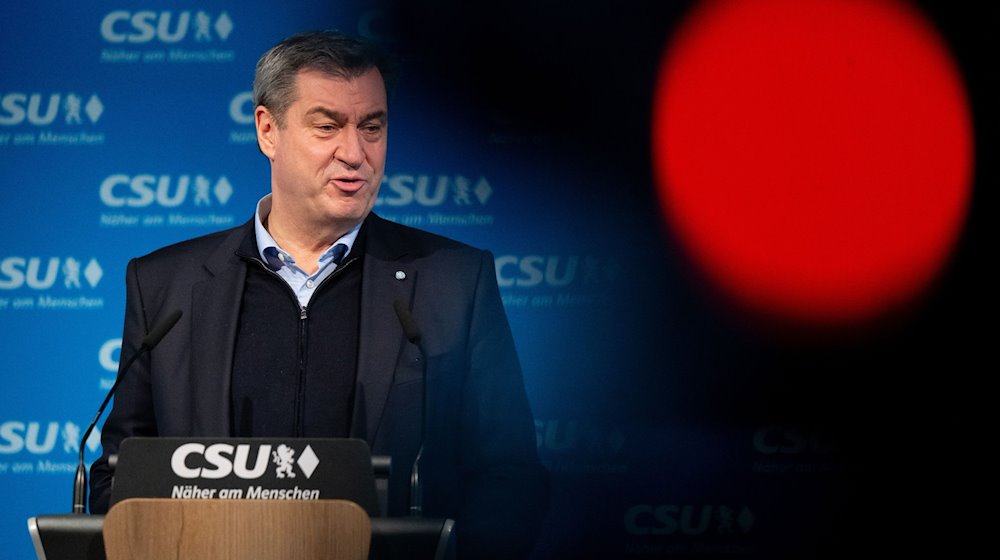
x=902 y=401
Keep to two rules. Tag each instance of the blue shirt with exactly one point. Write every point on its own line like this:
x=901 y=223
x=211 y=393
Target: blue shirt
x=281 y=262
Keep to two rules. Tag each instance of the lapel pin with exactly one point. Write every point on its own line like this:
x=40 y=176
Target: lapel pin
x=400 y=275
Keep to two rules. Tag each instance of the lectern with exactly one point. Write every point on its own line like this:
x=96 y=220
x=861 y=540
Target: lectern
x=258 y=498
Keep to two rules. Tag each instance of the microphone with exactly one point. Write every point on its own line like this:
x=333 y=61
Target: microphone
x=413 y=335
x=159 y=330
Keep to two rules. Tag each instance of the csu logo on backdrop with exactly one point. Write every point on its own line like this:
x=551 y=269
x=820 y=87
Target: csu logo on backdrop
x=403 y=190
x=109 y=354
x=578 y=447
x=220 y=460
x=165 y=26
x=559 y=436
x=555 y=271
x=688 y=520
x=241 y=113
x=793 y=440
x=40 y=439
x=241 y=108
x=141 y=191
x=40 y=273
x=43 y=109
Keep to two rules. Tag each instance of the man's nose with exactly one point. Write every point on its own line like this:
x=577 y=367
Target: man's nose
x=351 y=149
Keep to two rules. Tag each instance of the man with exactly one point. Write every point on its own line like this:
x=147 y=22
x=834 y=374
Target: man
x=289 y=326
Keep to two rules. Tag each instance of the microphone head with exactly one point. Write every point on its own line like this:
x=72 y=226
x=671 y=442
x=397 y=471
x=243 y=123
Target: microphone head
x=161 y=328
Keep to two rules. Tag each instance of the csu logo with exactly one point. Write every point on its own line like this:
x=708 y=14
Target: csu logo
x=140 y=191
x=109 y=354
x=571 y=435
x=38 y=439
x=41 y=274
x=687 y=520
x=554 y=271
x=220 y=460
x=41 y=109
x=123 y=26
x=241 y=108
x=402 y=190
x=788 y=440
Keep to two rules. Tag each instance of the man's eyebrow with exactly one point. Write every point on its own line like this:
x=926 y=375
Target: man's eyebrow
x=328 y=113
x=338 y=116
x=375 y=116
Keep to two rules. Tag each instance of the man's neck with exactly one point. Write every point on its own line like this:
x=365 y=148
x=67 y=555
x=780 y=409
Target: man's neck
x=305 y=244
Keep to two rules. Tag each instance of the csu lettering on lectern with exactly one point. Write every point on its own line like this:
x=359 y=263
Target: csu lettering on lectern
x=221 y=457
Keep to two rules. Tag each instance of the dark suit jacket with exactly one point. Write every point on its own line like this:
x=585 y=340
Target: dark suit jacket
x=480 y=463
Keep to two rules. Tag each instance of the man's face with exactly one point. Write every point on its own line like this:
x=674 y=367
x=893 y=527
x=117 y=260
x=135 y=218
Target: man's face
x=328 y=159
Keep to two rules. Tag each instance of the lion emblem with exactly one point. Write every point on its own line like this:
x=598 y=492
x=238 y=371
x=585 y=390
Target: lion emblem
x=283 y=457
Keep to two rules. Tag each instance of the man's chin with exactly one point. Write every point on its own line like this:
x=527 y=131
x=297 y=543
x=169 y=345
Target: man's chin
x=348 y=217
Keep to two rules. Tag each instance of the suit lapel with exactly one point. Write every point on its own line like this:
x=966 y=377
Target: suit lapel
x=215 y=310
x=386 y=278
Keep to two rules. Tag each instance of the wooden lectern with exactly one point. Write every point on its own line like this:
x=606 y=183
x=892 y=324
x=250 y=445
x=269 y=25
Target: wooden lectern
x=143 y=524
x=154 y=529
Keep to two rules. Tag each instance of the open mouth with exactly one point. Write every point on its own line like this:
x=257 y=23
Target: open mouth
x=348 y=184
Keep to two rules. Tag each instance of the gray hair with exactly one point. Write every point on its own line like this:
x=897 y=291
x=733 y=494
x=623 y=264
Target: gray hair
x=330 y=52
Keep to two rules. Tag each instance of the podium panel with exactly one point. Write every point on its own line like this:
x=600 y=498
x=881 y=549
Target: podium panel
x=79 y=537
x=162 y=529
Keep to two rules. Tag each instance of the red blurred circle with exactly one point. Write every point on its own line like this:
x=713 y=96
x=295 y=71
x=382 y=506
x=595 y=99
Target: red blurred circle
x=814 y=157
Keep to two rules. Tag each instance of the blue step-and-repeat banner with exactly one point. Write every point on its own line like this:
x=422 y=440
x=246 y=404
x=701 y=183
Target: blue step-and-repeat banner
x=674 y=423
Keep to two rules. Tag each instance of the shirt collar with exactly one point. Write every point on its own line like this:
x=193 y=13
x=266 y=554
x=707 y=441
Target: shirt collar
x=265 y=241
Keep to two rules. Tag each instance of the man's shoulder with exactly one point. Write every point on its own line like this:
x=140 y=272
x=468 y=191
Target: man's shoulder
x=195 y=251
x=392 y=236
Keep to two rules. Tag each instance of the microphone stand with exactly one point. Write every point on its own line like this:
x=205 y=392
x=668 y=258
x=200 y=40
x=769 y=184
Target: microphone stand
x=158 y=331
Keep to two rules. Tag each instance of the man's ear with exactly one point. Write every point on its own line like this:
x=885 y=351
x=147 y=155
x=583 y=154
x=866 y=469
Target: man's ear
x=266 y=129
